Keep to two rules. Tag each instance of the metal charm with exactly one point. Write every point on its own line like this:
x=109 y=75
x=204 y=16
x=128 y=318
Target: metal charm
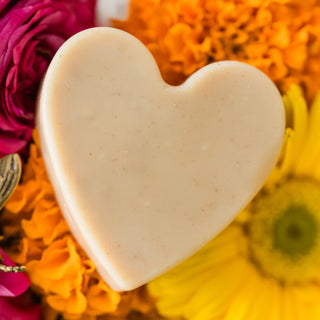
x=10 y=172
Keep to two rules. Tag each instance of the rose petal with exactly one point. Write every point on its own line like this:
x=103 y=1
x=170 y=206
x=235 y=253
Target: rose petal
x=10 y=309
x=12 y=284
x=10 y=144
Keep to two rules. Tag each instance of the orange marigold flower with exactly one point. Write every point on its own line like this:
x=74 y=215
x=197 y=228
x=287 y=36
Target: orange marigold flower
x=46 y=222
x=56 y=272
x=76 y=302
x=98 y=292
x=280 y=37
x=59 y=269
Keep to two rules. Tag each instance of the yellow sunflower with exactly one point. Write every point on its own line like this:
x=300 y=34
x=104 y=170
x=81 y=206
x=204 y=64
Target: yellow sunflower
x=266 y=264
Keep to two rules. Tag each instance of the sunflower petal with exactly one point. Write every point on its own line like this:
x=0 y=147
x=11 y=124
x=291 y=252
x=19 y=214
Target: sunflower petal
x=309 y=160
x=297 y=119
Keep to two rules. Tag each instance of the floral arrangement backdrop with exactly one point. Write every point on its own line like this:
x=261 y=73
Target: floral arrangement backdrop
x=266 y=264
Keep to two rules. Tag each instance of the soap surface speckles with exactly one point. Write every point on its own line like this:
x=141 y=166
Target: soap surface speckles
x=147 y=173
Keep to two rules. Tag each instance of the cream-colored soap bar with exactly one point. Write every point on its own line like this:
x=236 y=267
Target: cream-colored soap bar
x=144 y=172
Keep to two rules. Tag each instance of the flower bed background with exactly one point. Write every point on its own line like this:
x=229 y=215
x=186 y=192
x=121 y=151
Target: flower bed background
x=280 y=37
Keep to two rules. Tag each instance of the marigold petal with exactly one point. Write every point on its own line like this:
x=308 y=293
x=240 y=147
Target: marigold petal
x=59 y=270
x=46 y=222
x=76 y=303
x=24 y=197
x=295 y=56
x=101 y=299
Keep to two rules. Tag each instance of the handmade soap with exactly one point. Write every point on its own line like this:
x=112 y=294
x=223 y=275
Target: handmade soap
x=147 y=173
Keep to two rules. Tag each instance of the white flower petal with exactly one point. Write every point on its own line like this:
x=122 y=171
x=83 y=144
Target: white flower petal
x=110 y=9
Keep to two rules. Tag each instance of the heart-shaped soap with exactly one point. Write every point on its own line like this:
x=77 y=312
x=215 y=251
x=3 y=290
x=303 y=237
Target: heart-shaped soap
x=147 y=173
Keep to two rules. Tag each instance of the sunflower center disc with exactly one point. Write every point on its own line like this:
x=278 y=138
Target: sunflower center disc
x=283 y=233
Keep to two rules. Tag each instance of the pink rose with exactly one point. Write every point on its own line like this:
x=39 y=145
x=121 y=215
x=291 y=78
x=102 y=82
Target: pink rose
x=31 y=31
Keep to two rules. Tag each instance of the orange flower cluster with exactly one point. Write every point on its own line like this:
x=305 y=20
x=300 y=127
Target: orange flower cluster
x=58 y=268
x=280 y=37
